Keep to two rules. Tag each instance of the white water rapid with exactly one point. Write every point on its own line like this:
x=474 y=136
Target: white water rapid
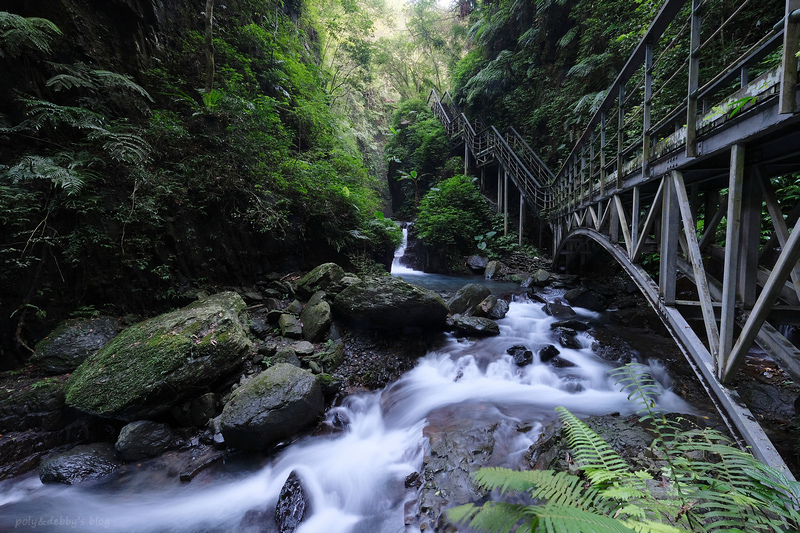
x=355 y=477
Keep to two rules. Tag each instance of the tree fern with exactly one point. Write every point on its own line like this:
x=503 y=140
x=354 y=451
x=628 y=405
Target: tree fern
x=33 y=167
x=710 y=485
x=22 y=35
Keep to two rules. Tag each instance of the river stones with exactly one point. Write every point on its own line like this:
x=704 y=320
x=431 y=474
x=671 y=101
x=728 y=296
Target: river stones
x=72 y=342
x=293 y=504
x=468 y=298
x=158 y=363
x=548 y=352
x=272 y=406
x=475 y=326
x=86 y=461
x=477 y=262
x=577 y=325
x=521 y=354
x=323 y=277
x=492 y=307
x=389 y=303
x=143 y=438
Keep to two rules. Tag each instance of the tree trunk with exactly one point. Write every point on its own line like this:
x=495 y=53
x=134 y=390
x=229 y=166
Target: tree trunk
x=209 y=46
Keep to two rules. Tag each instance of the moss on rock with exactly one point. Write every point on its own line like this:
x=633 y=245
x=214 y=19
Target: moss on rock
x=153 y=365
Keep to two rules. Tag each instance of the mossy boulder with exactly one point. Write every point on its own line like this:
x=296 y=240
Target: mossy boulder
x=72 y=342
x=160 y=362
x=321 y=278
x=274 y=405
x=468 y=298
x=389 y=303
x=316 y=320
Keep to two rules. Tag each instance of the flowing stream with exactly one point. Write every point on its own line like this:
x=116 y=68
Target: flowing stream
x=356 y=476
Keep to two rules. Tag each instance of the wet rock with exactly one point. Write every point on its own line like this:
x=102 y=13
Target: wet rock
x=32 y=404
x=257 y=521
x=521 y=354
x=541 y=278
x=290 y=326
x=293 y=505
x=559 y=310
x=577 y=325
x=319 y=279
x=142 y=439
x=567 y=338
x=72 y=342
x=342 y=284
x=203 y=408
x=389 y=303
x=560 y=362
x=268 y=349
x=499 y=309
x=316 y=318
x=547 y=353
x=274 y=315
x=332 y=358
x=259 y=328
x=272 y=406
x=475 y=326
x=467 y=298
x=477 y=263
x=156 y=364
x=495 y=269
x=86 y=461
x=303 y=348
x=586 y=299
x=294 y=308
x=286 y=355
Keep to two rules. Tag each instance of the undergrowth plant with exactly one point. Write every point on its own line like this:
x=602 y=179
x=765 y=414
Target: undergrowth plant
x=704 y=483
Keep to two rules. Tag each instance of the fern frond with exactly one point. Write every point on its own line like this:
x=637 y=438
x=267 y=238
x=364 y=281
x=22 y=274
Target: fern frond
x=20 y=35
x=126 y=147
x=592 y=453
x=494 y=517
x=557 y=518
x=63 y=82
x=649 y=526
x=120 y=81
x=38 y=167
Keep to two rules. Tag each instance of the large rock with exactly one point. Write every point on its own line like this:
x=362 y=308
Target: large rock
x=86 y=461
x=293 y=505
x=586 y=299
x=321 y=278
x=559 y=310
x=477 y=262
x=274 y=405
x=72 y=342
x=495 y=269
x=475 y=326
x=316 y=320
x=290 y=326
x=158 y=363
x=468 y=298
x=142 y=439
x=389 y=303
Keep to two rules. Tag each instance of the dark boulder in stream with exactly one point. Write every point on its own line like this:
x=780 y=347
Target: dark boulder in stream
x=142 y=439
x=82 y=462
x=468 y=298
x=389 y=303
x=274 y=405
x=293 y=505
x=156 y=364
x=475 y=326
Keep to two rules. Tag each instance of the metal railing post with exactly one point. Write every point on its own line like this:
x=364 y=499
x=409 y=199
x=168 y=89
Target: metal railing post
x=694 y=80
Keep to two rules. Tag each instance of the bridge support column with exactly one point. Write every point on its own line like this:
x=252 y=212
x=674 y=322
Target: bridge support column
x=751 y=238
x=466 y=157
x=521 y=217
x=500 y=172
x=668 y=264
x=791 y=34
x=505 y=203
x=732 y=252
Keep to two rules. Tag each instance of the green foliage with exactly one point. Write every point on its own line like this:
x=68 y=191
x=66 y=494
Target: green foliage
x=709 y=485
x=21 y=36
x=452 y=213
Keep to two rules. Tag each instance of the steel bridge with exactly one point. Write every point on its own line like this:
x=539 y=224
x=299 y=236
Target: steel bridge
x=682 y=148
